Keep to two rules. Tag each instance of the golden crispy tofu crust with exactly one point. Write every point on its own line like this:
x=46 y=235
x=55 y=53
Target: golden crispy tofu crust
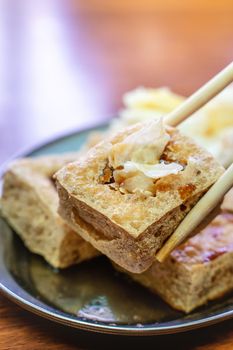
x=29 y=203
x=130 y=228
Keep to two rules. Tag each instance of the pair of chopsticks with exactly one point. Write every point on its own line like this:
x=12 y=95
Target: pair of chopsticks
x=214 y=195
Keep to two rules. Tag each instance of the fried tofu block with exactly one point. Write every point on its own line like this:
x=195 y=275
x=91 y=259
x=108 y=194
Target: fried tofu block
x=29 y=203
x=128 y=194
x=196 y=272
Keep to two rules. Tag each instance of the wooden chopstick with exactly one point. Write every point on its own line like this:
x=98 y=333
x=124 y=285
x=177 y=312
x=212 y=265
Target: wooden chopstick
x=198 y=213
x=201 y=96
x=209 y=201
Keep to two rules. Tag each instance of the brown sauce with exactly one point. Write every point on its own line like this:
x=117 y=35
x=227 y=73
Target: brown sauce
x=186 y=191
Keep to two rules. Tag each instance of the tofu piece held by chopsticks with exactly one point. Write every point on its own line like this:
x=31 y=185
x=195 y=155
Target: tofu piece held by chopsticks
x=131 y=191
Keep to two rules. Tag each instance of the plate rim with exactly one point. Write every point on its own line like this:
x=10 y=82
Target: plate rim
x=105 y=328
x=67 y=320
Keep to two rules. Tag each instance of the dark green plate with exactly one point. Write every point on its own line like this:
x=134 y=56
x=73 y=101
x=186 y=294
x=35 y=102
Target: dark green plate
x=91 y=296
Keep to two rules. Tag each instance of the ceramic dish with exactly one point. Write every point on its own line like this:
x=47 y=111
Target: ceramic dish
x=91 y=296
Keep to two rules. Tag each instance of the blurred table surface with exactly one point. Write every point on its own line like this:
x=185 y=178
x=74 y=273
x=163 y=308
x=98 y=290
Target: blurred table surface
x=65 y=64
